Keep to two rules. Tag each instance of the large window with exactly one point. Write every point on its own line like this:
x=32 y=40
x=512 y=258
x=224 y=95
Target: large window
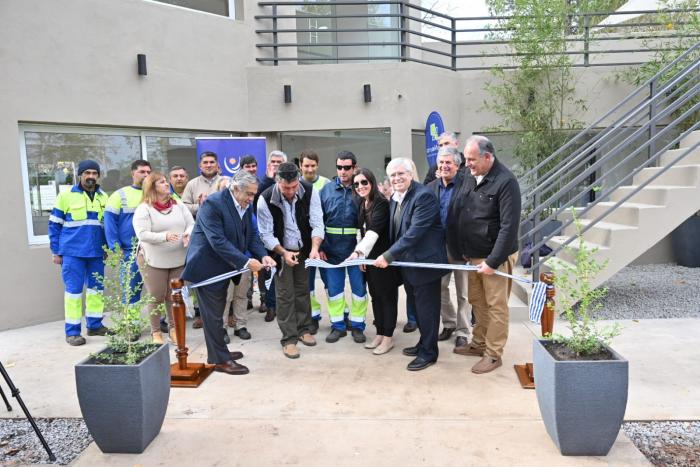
x=50 y=157
x=231 y=8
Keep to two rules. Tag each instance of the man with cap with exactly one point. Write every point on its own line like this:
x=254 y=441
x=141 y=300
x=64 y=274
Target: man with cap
x=77 y=238
x=291 y=227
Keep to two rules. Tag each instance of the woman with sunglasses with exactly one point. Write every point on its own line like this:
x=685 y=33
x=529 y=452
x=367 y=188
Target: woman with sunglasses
x=373 y=215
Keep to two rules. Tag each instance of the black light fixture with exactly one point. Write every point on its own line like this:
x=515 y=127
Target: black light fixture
x=141 y=62
x=368 y=92
x=287 y=93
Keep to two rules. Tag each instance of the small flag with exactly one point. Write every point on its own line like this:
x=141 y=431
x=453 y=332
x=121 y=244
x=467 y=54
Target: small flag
x=539 y=295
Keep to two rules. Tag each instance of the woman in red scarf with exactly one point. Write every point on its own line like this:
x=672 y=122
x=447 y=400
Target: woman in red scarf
x=163 y=227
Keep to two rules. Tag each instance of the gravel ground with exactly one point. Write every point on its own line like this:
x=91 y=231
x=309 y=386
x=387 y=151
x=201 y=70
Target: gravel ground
x=652 y=291
x=19 y=445
x=666 y=443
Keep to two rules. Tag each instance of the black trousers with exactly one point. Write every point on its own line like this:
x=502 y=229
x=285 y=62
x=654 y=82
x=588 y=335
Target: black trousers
x=426 y=300
x=212 y=301
x=384 y=291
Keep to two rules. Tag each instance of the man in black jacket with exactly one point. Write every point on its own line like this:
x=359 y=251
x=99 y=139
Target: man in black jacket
x=484 y=231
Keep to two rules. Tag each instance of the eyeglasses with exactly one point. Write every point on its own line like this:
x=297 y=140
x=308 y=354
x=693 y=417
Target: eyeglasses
x=344 y=167
x=364 y=182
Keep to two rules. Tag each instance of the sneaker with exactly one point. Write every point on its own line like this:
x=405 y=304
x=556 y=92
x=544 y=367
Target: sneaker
x=470 y=350
x=486 y=364
x=157 y=337
x=358 y=336
x=410 y=327
x=335 y=335
x=101 y=331
x=197 y=322
x=290 y=351
x=308 y=340
x=75 y=340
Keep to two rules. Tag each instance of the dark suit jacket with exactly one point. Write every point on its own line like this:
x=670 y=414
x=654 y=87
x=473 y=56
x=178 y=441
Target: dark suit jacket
x=220 y=239
x=434 y=186
x=420 y=237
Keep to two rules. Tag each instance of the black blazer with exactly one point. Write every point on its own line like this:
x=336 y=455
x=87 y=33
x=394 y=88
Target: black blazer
x=420 y=237
x=434 y=186
x=220 y=239
x=376 y=220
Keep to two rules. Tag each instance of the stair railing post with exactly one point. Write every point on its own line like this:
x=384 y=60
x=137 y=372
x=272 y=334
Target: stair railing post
x=454 y=44
x=535 y=255
x=275 y=52
x=586 y=39
x=651 y=132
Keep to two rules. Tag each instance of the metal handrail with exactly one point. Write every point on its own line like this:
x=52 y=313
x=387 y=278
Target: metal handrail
x=459 y=60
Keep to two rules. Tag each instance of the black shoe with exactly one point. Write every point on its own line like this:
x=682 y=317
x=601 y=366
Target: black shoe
x=446 y=334
x=101 y=331
x=250 y=304
x=263 y=307
x=164 y=327
x=461 y=341
x=242 y=333
x=358 y=336
x=270 y=315
x=410 y=351
x=419 y=364
x=410 y=327
x=314 y=326
x=335 y=335
x=227 y=339
x=75 y=340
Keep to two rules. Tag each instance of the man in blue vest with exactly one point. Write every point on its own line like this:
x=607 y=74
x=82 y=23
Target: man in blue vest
x=340 y=219
x=119 y=229
x=77 y=238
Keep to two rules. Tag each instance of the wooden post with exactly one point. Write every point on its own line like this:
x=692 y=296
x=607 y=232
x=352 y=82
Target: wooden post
x=182 y=373
x=526 y=372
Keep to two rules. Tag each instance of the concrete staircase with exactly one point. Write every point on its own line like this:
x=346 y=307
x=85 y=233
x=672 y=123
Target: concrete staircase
x=643 y=220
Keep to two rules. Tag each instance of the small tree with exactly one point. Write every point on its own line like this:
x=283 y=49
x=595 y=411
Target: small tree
x=579 y=301
x=127 y=324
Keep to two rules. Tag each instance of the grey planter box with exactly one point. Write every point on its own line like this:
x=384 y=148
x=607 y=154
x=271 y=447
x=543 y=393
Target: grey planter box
x=582 y=402
x=124 y=405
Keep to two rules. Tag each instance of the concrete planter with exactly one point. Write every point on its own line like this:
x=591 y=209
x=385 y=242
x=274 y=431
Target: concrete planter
x=124 y=405
x=582 y=402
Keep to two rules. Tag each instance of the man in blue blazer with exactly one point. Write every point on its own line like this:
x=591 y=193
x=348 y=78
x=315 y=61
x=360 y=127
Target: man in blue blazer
x=222 y=235
x=417 y=235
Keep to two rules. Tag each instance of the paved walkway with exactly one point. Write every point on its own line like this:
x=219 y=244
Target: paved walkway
x=340 y=405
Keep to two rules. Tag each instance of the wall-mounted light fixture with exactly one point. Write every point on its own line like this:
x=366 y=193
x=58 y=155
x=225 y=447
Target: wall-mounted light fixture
x=368 y=92
x=141 y=62
x=287 y=93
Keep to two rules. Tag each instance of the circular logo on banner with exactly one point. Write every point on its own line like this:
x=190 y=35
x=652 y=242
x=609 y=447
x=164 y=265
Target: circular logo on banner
x=232 y=165
x=433 y=129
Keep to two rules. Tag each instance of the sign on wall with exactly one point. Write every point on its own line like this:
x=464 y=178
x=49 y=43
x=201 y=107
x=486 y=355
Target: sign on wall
x=230 y=151
x=433 y=129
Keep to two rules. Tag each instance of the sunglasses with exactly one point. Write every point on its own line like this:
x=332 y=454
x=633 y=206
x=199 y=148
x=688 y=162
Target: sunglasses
x=344 y=167
x=364 y=182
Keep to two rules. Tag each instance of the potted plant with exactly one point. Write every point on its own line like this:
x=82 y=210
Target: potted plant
x=124 y=389
x=581 y=383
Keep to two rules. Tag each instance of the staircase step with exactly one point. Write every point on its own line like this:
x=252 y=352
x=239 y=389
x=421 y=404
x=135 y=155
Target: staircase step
x=693 y=157
x=626 y=214
x=680 y=175
x=650 y=194
x=569 y=252
x=601 y=233
x=691 y=139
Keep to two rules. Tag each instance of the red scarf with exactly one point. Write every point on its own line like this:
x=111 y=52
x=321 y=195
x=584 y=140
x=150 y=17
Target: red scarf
x=164 y=206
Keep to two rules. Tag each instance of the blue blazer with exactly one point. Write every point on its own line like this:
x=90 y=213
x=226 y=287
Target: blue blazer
x=220 y=239
x=420 y=237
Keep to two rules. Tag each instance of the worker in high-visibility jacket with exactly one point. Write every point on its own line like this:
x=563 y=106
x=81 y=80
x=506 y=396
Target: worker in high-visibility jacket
x=309 y=172
x=77 y=239
x=340 y=219
x=119 y=229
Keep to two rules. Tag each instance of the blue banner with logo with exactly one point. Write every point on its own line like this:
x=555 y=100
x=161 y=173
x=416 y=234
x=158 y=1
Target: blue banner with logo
x=230 y=151
x=433 y=129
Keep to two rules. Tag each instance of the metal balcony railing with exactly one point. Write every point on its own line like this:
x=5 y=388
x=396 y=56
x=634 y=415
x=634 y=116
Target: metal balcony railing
x=637 y=131
x=304 y=32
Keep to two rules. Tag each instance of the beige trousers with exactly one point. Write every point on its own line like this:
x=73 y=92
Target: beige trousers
x=457 y=319
x=156 y=281
x=238 y=294
x=488 y=295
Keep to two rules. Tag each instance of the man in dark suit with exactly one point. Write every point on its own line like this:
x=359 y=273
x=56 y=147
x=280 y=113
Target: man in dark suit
x=222 y=235
x=416 y=236
x=453 y=320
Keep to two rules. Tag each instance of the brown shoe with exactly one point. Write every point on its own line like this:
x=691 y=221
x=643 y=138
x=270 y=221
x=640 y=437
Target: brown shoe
x=270 y=315
x=231 y=322
x=308 y=340
x=197 y=322
x=486 y=364
x=236 y=355
x=290 y=351
x=231 y=368
x=469 y=350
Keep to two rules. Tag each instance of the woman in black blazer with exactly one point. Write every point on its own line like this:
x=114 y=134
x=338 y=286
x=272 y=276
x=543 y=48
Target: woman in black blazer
x=373 y=215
